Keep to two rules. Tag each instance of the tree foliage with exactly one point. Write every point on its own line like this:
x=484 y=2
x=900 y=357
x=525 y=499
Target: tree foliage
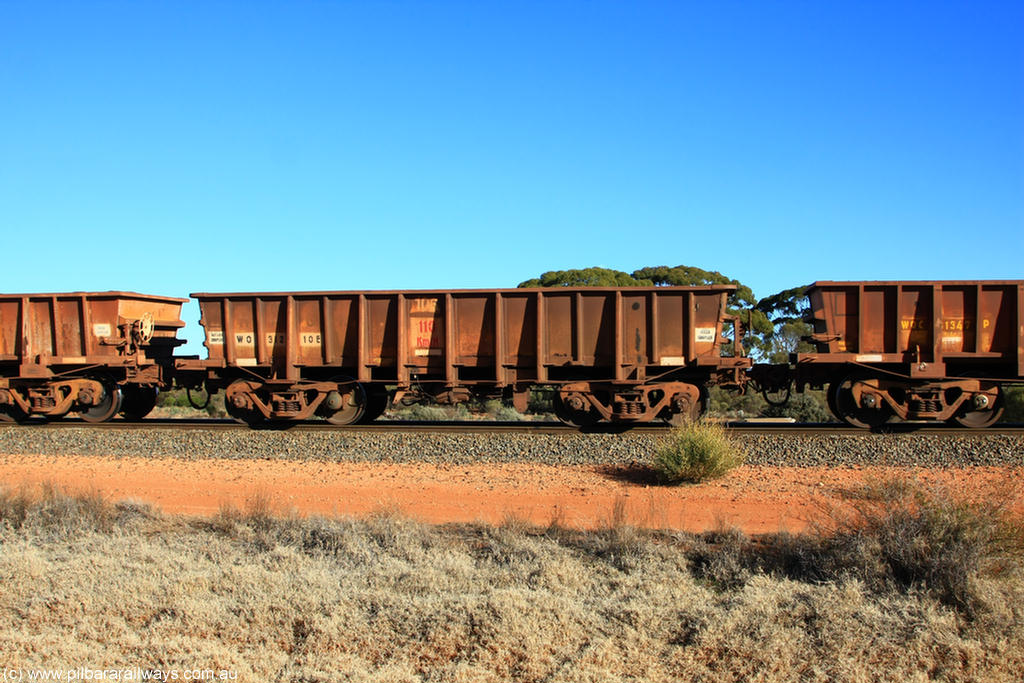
x=586 y=277
x=786 y=306
x=787 y=311
x=682 y=276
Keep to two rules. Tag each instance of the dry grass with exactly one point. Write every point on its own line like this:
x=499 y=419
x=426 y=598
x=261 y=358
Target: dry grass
x=899 y=532
x=389 y=599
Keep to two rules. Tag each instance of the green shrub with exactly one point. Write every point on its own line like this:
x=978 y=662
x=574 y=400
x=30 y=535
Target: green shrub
x=542 y=400
x=696 y=452
x=175 y=402
x=728 y=404
x=809 y=406
x=1014 y=400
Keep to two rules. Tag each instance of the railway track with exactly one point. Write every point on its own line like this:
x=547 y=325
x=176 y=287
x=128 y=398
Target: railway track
x=474 y=427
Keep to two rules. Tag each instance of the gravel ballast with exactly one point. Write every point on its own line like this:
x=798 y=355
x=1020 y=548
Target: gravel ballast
x=570 y=448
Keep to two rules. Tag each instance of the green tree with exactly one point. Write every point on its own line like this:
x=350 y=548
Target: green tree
x=787 y=311
x=586 y=277
x=683 y=276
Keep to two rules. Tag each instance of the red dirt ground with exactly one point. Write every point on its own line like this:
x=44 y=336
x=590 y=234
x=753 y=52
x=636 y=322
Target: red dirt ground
x=754 y=499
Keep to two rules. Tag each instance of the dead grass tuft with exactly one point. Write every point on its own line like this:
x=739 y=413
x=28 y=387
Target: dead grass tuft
x=911 y=536
x=896 y=534
x=723 y=559
x=53 y=509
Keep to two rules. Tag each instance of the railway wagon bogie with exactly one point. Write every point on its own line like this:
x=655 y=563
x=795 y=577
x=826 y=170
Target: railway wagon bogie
x=94 y=353
x=914 y=351
x=614 y=354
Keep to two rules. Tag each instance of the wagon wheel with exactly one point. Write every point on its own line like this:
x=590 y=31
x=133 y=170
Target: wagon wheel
x=246 y=414
x=572 y=416
x=979 y=419
x=243 y=415
x=347 y=404
x=12 y=413
x=376 y=404
x=138 y=401
x=695 y=412
x=52 y=417
x=108 y=403
x=843 y=405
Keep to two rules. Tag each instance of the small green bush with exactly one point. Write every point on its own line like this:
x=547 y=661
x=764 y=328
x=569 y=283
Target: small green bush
x=175 y=403
x=696 y=452
x=1014 y=400
x=809 y=406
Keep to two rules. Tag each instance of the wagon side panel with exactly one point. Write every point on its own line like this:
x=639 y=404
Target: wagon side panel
x=517 y=320
x=10 y=329
x=473 y=321
x=957 y=326
x=707 y=324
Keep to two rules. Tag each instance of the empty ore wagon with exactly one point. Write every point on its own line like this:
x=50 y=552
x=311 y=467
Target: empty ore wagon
x=936 y=351
x=96 y=353
x=622 y=355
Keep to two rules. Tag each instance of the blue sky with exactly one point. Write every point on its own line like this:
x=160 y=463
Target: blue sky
x=175 y=147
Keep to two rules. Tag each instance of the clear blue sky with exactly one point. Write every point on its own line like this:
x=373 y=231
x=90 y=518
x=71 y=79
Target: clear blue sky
x=175 y=147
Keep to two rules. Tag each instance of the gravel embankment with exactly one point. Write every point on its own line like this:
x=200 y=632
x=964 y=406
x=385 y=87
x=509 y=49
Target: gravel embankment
x=931 y=450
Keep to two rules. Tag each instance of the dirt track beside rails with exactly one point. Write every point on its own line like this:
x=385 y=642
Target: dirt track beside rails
x=756 y=499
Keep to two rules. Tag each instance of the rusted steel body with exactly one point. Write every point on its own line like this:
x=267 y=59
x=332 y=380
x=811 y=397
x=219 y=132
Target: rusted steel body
x=94 y=352
x=615 y=354
x=915 y=350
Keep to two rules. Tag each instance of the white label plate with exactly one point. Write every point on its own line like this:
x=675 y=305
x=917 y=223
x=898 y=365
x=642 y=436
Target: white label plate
x=705 y=334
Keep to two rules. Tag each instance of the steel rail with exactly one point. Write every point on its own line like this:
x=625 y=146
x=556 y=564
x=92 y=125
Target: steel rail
x=491 y=427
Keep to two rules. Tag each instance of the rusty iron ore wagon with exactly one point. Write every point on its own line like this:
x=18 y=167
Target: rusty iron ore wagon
x=624 y=355
x=935 y=351
x=95 y=353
